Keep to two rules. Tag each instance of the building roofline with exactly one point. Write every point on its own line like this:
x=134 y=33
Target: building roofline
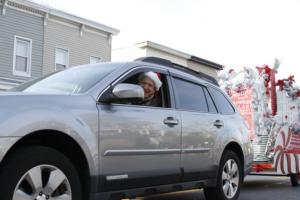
x=68 y=16
x=206 y=62
x=179 y=54
x=163 y=48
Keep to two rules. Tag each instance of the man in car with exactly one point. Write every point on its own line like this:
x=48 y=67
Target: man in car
x=151 y=84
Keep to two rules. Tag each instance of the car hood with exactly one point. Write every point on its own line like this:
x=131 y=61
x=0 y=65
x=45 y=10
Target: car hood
x=19 y=107
x=11 y=101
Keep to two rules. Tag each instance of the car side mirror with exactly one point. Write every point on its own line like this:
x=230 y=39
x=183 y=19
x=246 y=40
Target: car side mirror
x=123 y=92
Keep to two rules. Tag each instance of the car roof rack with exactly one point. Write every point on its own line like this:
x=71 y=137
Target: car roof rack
x=168 y=63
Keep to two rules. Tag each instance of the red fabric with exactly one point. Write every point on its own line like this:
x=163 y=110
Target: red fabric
x=298 y=93
x=261 y=167
x=270 y=90
x=291 y=78
x=267 y=70
x=158 y=75
x=280 y=83
x=157 y=93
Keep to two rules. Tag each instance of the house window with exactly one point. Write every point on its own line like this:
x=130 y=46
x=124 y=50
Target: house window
x=94 y=60
x=22 y=56
x=61 y=59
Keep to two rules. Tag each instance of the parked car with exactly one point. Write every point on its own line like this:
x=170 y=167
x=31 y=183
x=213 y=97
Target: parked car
x=78 y=134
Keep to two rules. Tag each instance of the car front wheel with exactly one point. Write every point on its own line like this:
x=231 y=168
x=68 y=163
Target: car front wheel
x=39 y=173
x=228 y=180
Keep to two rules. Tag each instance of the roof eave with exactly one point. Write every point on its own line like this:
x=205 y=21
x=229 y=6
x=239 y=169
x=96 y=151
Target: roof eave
x=67 y=16
x=206 y=62
x=163 y=48
x=86 y=22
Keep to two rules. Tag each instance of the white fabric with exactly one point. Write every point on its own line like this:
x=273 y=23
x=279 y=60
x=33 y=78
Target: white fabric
x=153 y=76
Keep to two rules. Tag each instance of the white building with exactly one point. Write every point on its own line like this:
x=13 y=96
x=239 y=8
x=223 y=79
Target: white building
x=151 y=49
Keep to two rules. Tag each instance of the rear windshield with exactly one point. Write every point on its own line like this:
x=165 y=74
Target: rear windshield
x=71 y=81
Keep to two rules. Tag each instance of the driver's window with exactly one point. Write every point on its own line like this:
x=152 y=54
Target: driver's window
x=155 y=86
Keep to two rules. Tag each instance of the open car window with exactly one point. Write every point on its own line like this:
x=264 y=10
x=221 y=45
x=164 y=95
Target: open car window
x=162 y=95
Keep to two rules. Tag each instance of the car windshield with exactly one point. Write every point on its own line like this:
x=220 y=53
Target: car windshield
x=71 y=81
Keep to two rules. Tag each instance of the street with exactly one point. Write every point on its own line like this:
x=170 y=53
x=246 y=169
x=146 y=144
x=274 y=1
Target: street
x=254 y=188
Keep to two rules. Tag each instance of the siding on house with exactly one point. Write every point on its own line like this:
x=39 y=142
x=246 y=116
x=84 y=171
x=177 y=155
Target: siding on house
x=202 y=68
x=167 y=56
x=47 y=29
x=59 y=34
x=18 y=23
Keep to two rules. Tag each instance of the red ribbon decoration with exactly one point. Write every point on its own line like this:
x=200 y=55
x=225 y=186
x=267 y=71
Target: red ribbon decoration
x=272 y=88
x=280 y=83
x=291 y=79
x=298 y=93
x=267 y=70
x=270 y=78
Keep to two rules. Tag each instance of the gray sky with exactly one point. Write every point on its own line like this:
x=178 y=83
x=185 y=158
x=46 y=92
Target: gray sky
x=234 y=33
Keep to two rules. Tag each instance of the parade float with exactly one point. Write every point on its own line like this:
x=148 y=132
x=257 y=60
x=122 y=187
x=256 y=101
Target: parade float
x=270 y=108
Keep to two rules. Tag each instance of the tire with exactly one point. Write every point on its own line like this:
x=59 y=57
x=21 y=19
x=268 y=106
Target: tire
x=231 y=178
x=295 y=179
x=39 y=172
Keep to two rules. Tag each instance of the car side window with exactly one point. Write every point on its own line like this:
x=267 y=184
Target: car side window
x=223 y=104
x=190 y=96
x=161 y=97
x=210 y=103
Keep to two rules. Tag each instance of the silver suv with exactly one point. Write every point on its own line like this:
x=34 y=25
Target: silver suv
x=79 y=134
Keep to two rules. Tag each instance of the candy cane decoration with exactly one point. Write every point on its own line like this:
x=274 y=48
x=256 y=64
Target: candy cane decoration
x=285 y=162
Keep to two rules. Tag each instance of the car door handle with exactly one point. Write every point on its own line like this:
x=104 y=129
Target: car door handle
x=218 y=123
x=171 y=121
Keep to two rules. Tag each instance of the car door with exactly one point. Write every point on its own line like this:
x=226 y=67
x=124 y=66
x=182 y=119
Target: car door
x=139 y=146
x=198 y=116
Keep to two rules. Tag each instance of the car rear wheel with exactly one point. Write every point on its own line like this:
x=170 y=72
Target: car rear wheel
x=295 y=179
x=39 y=173
x=228 y=180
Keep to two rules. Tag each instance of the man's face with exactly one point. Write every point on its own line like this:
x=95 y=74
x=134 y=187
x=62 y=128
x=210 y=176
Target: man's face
x=148 y=86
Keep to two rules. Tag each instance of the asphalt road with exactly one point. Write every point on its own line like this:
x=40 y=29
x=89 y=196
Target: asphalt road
x=254 y=188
